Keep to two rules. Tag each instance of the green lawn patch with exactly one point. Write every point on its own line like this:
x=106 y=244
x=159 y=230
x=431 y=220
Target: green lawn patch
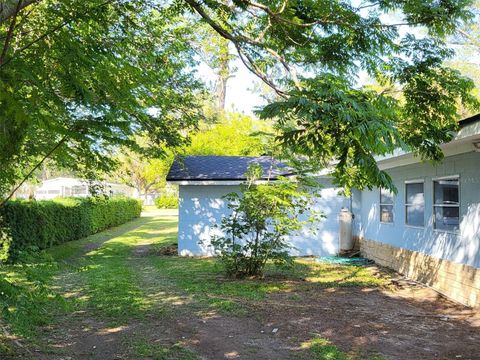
x=118 y=277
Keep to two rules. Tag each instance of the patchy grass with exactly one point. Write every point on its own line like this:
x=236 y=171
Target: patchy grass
x=27 y=296
x=323 y=349
x=107 y=282
x=32 y=293
x=204 y=281
x=115 y=276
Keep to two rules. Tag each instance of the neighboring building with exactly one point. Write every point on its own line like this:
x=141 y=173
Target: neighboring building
x=429 y=231
x=74 y=187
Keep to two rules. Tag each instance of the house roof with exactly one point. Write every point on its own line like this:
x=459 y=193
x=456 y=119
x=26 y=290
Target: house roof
x=462 y=142
x=469 y=120
x=224 y=168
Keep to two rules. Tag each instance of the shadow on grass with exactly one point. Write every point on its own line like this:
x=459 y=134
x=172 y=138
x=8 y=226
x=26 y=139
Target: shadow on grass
x=111 y=281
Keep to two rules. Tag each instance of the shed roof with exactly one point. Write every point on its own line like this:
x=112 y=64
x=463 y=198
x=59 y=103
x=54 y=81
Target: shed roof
x=224 y=168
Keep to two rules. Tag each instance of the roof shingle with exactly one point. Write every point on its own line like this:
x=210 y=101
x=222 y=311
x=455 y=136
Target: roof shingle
x=224 y=168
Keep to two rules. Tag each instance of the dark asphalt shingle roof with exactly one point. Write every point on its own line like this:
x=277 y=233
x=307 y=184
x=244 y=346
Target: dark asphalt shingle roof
x=223 y=167
x=469 y=120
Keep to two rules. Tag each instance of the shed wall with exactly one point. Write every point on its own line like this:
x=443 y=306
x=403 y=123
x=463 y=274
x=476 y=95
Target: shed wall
x=202 y=206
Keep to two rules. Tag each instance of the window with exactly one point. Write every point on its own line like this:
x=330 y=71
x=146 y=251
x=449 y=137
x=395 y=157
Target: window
x=446 y=205
x=414 y=203
x=79 y=190
x=386 y=206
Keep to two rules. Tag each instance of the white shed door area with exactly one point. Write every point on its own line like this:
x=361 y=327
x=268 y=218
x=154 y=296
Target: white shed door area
x=202 y=206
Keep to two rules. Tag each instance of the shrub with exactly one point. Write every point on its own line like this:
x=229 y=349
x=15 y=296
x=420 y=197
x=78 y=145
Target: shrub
x=262 y=218
x=166 y=202
x=36 y=225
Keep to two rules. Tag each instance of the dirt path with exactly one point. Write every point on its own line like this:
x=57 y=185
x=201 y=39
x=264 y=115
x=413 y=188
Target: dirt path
x=127 y=307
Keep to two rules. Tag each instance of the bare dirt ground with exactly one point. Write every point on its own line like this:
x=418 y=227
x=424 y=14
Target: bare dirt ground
x=410 y=322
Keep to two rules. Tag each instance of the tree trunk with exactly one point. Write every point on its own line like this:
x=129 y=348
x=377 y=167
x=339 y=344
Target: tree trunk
x=221 y=92
x=223 y=74
x=8 y=8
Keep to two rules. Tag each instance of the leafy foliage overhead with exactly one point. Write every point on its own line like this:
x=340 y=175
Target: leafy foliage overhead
x=78 y=79
x=312 y=53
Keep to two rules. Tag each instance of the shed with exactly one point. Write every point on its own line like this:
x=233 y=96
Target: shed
x=203 y=182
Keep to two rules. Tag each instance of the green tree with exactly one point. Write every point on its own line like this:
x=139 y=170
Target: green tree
x=80 y=79
x=142 y=173
x=311 y=52
x=233 y=135
x=215 y=52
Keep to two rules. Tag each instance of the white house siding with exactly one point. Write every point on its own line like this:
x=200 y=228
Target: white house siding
x=202 y=206
x=462 y=247
x=322 y=238
x=66 y=187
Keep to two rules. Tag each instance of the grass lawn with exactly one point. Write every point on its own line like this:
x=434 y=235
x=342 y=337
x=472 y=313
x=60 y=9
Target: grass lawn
x=112 y=296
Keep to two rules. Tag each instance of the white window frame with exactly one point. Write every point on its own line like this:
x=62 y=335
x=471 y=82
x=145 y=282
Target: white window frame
x=416 y=181
x=451 y=177
x=380 y=204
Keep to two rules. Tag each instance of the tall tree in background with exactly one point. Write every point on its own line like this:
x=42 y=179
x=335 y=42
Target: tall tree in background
x=215 y=52
x=144 y=174
x=466 y=42
x=233 y=135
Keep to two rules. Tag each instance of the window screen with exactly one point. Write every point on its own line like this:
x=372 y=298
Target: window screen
x=414 y=204
x=386 y=206
x=446 y=205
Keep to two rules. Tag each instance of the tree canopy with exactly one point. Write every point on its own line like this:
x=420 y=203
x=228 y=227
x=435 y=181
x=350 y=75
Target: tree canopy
x=233 y=134
x=79 y=79
x=321 y=47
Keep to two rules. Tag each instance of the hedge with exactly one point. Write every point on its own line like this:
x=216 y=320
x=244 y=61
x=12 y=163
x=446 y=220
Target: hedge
x=167 y=202
x=42 y=224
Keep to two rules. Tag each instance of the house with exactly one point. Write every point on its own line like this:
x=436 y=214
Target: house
x=429 y=230
x=75 y=187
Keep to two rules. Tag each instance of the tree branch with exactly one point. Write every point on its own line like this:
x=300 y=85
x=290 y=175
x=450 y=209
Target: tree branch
x=9 y=35
x=473 y=40
x=246 y=59
x=30 y=173
x=9 y=8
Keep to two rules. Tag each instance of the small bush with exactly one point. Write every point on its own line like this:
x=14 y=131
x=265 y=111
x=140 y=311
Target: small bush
x=36 y=225
x=167 y=202
x=262 y=219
